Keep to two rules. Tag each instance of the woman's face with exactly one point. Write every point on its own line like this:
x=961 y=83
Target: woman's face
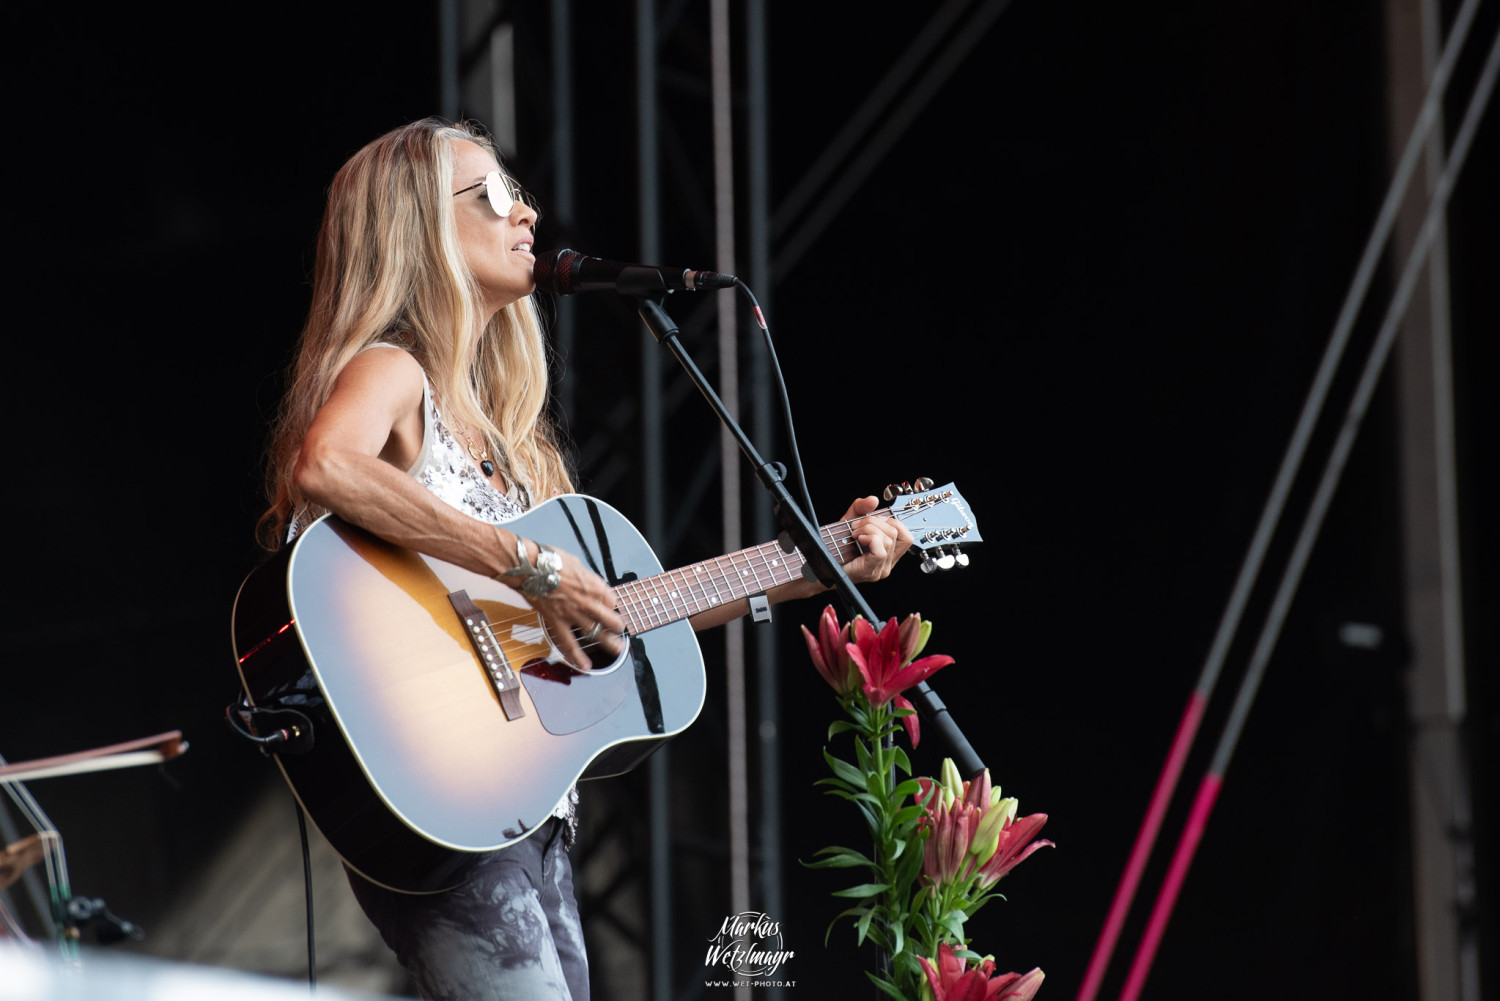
x=497 y=249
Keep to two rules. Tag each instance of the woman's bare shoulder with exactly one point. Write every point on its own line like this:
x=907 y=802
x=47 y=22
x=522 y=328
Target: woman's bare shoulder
x=388 y=370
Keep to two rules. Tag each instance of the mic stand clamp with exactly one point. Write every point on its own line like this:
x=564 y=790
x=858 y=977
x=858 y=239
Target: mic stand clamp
x=796 y=525
x=108 y=926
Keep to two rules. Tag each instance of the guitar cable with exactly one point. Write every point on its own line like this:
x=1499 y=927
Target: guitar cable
x=307 y=893
x=289 y=731
x=285 y=730
x=786 y=403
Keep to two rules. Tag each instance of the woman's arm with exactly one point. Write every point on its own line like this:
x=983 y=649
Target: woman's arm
x=354 y=460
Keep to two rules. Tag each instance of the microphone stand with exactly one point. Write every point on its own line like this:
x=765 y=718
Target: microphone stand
x=648 y=289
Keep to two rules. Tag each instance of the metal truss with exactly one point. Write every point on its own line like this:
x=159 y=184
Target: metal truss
x=519 y=68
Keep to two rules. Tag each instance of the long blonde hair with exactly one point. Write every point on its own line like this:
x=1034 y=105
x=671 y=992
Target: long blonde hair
x=390 y=269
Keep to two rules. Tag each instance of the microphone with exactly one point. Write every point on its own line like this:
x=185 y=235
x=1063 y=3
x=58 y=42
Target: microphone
x=563 y=272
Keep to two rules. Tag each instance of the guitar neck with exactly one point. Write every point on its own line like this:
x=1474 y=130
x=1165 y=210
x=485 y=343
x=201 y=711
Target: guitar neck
x=667 y=597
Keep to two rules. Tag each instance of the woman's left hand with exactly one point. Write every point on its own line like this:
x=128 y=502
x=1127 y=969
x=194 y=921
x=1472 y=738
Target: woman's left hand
x=884 y=540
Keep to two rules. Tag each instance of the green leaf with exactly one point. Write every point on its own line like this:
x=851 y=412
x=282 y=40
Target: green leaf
x=845 y=771
x=910 y=787
x=842 y=914
x=856 y=797
x=886 y=986
x=902 y=762
x=864 y=925
x=840 y=726
x=908 y=815
x=839 y=858
x=860 y=713
x=863 y=890
x=953 y=921
x=911 y=864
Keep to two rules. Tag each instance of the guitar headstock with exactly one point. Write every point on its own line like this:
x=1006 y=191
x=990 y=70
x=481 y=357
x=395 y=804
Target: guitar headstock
x=939 y=520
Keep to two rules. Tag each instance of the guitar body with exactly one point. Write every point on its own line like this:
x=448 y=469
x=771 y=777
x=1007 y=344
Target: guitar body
x=416 y=766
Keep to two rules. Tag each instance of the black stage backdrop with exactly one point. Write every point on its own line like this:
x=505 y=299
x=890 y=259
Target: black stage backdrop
x=1090 y=283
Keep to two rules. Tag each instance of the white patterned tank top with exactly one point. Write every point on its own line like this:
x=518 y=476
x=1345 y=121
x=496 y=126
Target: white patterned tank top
x=443 y=467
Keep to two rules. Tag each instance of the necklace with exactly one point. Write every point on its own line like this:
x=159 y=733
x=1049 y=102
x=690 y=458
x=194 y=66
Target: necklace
x=481 y=454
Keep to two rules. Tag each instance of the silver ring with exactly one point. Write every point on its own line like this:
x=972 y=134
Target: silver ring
x=593 y=633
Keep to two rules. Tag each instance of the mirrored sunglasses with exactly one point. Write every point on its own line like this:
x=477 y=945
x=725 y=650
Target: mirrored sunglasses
x=503 y=192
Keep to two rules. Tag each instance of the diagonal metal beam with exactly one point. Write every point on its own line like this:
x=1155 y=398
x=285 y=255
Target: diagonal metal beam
x=813 y=212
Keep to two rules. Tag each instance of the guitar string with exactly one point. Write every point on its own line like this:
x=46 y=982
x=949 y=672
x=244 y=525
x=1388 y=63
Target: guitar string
x=635 y=598
x=639 y=602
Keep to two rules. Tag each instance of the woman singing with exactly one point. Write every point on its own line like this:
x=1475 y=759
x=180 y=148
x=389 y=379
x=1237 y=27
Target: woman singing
x=417 y=410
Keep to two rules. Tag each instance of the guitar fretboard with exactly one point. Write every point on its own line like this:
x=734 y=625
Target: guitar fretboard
x=667 y=597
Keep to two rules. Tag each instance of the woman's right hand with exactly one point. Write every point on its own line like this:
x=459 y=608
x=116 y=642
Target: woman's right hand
x=571 y=612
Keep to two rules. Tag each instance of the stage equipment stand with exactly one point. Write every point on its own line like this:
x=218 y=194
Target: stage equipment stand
x=70 y=913
x=795 y=523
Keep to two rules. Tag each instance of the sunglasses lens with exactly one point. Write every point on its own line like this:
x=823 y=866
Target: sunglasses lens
x=502 y=195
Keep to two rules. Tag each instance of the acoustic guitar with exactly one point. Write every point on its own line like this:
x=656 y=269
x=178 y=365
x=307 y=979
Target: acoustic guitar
x=443 y=721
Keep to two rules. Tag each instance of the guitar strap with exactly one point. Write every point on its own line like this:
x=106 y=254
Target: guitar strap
x=645 y=674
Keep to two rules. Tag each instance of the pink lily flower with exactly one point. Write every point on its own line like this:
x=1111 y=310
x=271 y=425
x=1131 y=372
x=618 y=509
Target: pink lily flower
x=953 y=820
x=912 y=723
x=882 y=658
x=1019 y=985
x=973 y=830
x=830 y=654
x=1015 y=845
x=954 y=980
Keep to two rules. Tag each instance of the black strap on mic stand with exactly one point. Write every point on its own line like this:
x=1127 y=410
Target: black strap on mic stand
x=797 y=525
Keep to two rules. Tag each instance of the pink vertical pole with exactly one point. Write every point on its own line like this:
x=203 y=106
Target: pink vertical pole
x=1145 y=839
x=1203 y=805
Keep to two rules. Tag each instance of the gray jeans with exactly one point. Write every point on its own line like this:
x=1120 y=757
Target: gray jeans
x=509 y=932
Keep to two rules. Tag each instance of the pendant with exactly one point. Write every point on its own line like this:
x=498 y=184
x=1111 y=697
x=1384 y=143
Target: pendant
x=487 y=467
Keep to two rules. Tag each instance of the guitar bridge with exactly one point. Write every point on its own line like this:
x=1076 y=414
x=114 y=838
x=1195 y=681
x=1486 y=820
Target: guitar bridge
x=497 y=668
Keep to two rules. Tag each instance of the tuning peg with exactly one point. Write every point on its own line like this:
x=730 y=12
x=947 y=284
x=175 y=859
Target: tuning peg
x=961 y=558
x=929 y=564
x=924 y=483
x=894 y=490
x=946 y=561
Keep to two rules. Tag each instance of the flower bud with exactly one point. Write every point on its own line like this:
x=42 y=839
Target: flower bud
x=914 y=634
x=953 y=783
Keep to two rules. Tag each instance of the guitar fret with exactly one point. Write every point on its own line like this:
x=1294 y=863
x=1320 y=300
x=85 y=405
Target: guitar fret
x=642 y=605
x=780 y=563
x=654 y=588
x=736 y=579
x=687 y=583
x=757 y=568
x=677 y=594
x=682 y=594
x=625 y=606
x=713 y=577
